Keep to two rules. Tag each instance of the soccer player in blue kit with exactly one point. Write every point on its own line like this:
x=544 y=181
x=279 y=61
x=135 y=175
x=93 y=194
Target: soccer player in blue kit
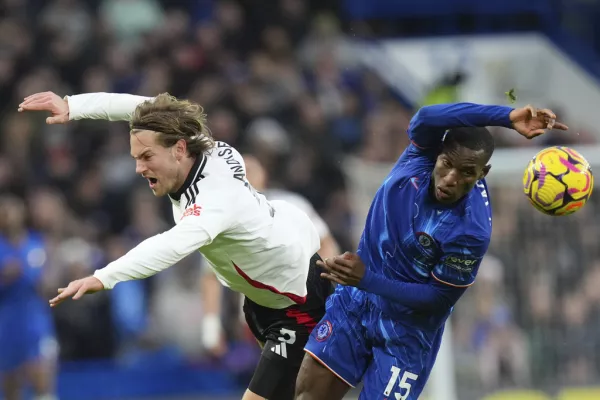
x=427 y=230
x=28 y=349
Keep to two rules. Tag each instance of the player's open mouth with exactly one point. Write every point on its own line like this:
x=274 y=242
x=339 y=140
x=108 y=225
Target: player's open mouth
x=442 y=194
x=152 y=182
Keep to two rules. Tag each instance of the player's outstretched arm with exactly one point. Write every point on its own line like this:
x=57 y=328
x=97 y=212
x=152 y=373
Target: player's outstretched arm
x=349 y=270
x=103 y=106
x=430 y=123
x=153 y=255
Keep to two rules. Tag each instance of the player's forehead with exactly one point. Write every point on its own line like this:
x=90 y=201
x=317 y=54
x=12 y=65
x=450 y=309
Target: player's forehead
x=465 y=157
x=142 y=142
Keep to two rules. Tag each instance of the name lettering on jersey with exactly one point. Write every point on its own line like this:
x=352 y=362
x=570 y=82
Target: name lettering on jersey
x=234 y=165
x=483 y=192
x=194 y=210
x=462 y=263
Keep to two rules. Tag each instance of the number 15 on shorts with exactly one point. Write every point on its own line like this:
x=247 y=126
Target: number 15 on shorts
x=404 y=385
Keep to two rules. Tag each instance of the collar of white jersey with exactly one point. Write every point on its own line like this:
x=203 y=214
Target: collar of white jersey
x=194 y=175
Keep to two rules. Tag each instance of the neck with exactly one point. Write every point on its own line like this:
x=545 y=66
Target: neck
x=187 y=165
x=188 y=170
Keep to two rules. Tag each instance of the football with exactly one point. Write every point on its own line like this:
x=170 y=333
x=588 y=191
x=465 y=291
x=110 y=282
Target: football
x=558 y=181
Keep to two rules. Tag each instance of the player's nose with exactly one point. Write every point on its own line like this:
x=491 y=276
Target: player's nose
x=451 y=179
x=140 y=167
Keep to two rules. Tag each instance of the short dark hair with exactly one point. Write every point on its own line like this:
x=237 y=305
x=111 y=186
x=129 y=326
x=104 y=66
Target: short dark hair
x=473 y=138
x=173 y=120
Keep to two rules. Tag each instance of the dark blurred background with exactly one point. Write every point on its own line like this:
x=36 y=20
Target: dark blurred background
x=309 y=88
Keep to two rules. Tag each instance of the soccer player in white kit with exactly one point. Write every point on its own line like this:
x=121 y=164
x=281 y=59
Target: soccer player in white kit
x=265 y=250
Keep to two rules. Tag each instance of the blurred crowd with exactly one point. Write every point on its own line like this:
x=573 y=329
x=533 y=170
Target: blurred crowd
x=278 y=79
x=533 y=318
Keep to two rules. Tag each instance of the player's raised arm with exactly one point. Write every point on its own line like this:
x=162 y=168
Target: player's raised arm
x=104 y=106
x=428 y=125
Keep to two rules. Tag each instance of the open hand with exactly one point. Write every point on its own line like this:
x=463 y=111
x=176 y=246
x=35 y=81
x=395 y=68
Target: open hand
x=77 y=289
x=531 y=122
x=347 y=269
x=50 y=102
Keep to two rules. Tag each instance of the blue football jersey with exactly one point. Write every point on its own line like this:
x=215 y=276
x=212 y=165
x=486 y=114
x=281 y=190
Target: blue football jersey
x=19 y=298
x=409 y=236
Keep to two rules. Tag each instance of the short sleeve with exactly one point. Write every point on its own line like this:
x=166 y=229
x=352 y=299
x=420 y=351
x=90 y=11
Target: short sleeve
x=460 y=262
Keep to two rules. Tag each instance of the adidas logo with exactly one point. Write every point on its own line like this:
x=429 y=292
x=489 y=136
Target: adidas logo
x=280 y=349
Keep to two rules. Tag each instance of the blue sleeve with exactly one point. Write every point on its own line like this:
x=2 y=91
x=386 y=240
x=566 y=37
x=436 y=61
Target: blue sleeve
x=422 y=297
x=455 y=271
x=428 y=125
x=460 y=262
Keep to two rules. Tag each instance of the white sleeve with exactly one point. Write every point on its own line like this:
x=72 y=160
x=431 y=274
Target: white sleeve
x=107 y=106
x=199 y=225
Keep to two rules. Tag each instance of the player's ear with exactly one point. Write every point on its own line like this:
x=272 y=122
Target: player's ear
x=180 y=149
x=485 y=171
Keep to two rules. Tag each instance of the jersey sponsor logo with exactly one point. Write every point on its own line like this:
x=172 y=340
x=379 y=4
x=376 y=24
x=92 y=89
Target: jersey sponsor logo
x=324 y=330
x=194 y=210
x=462 y=263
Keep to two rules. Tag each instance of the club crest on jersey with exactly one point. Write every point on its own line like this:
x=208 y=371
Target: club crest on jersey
x=194 y=210
x=324 y=330
x=425 y=240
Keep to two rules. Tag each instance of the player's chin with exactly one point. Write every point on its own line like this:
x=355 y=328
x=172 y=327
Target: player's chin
x=158 y=190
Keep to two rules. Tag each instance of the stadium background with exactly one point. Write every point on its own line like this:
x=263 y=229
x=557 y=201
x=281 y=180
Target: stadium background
x=322 y=92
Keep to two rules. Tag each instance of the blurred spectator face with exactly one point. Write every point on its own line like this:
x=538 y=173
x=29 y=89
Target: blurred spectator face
x=14 y=37
x=47 y=209
x=575 y=309
x=158 y=164
x=230 y=15
x=157 y=79
x=96 y=79
x=311 y=114
x=255 y=172
x=262 y=67
x=294 y=9
x=12 y=214
x=176 y=24
x=209 y=37
x=276 y=41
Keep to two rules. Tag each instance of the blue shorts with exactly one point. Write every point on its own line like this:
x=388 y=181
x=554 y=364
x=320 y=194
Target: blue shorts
x=357 y=342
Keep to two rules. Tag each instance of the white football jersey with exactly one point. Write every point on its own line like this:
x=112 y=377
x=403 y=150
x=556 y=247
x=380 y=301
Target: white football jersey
x=259 y=248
